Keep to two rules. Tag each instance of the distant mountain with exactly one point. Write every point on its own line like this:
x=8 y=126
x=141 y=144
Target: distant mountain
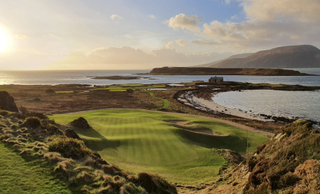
x=301 y=56
x=244 y=55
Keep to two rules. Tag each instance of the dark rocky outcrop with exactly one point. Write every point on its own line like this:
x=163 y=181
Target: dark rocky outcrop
x=71 y=133
x=7 y=102
x=81 y=123
x=223 y=71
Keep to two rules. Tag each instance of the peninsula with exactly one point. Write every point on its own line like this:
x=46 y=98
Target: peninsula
x=224 y=71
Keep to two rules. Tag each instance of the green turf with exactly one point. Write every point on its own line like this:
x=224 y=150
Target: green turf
x=165 y=101
x=19 y=175
x=7 y=89
x=142 y=141
x=122 y=88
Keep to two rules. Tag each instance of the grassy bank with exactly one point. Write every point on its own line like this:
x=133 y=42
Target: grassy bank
x=143 y=141
x=20 y=175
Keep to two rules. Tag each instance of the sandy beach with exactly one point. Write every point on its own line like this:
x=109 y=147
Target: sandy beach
x=210 y=106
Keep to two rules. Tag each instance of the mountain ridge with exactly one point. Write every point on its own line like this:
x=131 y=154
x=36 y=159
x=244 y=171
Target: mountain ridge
x=297 y=56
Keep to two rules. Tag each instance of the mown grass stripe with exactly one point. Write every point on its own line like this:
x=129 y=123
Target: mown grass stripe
x=149 y=144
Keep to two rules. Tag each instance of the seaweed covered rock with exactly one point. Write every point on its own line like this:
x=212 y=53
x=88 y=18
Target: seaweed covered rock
x=7 y=102
x=81 y=123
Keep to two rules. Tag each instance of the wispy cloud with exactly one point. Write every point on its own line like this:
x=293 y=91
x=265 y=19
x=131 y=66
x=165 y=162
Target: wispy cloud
x=52 y=36
x=21 y=36
x=115 y=17
x=152 y=16
x=205 y=42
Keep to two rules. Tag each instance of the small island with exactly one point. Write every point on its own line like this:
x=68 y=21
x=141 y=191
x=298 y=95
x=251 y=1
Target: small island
x=117 y=77
x=224 y=71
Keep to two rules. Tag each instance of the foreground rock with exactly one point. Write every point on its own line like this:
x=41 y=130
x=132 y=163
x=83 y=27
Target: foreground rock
x=7 y=102
x=81 y=123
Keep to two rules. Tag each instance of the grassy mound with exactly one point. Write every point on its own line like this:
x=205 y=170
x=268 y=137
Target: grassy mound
x=142 y=141
x=287 y=163
x=20 y=175
x=43 y=143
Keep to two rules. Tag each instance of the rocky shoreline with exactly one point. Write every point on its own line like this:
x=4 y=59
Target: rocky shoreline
x=190 y=98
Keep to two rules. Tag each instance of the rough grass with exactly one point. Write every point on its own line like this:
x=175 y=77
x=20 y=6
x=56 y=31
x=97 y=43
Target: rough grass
x=19 y=175
x=142 y=141
x=64 y=92
x=165 y=101
x=7 y=89
x=122 y=88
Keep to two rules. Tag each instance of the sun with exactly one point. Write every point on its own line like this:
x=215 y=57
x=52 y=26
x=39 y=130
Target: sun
x=3 y=41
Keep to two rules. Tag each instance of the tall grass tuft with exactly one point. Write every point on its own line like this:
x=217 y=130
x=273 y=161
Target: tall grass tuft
x=70 y=148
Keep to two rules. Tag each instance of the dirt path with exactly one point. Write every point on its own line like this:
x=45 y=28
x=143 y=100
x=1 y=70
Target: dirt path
x=264 y=133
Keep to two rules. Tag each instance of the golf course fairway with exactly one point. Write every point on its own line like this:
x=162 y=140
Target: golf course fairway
x=143 y=141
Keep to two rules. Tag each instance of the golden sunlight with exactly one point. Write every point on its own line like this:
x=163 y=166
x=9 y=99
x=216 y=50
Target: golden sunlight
x=3 y=41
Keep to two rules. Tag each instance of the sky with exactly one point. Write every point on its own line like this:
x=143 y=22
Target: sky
x=143 y=34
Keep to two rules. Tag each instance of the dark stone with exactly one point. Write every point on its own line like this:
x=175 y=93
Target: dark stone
x=36 y=100
x=50 y=91
x=7 y=102
x=80 y=123
x=71 y=133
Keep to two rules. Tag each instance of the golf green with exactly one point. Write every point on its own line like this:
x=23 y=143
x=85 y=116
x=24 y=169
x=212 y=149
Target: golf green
x=138 y=140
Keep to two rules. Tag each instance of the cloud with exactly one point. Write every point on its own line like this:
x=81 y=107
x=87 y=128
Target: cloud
x=181 y=43
x=21 y=36
x=268 y=24
x=52 y=36
x=205 y=42
x=152 y=16
x=169 y=45
x=127 y=36
x=130 y=58
x=184 y=22
x=22 y=59
x=115 y=17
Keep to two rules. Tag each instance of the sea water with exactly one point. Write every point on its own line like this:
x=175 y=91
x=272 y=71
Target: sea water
x=85 y=77
x=302 y=104
x=279 y=103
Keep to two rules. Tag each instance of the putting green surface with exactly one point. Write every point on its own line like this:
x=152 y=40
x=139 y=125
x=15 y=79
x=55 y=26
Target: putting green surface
x=139 y=141
x=18 y=175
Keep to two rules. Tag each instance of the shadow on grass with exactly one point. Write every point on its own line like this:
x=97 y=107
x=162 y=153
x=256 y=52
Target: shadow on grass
x=234 y=143
x=95 y=141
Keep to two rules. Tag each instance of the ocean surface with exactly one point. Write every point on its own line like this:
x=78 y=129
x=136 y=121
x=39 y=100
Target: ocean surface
x=84 y=77
x=302 y=104
x=279 y=103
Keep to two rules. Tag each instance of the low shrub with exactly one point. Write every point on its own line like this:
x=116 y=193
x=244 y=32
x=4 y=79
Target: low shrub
x=70 y=148
x=32 y=122
x=132 y=189
x=54 y=130
x=288 y=179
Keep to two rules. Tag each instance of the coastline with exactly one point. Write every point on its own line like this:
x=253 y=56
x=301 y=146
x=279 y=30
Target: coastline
x=191 y=100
